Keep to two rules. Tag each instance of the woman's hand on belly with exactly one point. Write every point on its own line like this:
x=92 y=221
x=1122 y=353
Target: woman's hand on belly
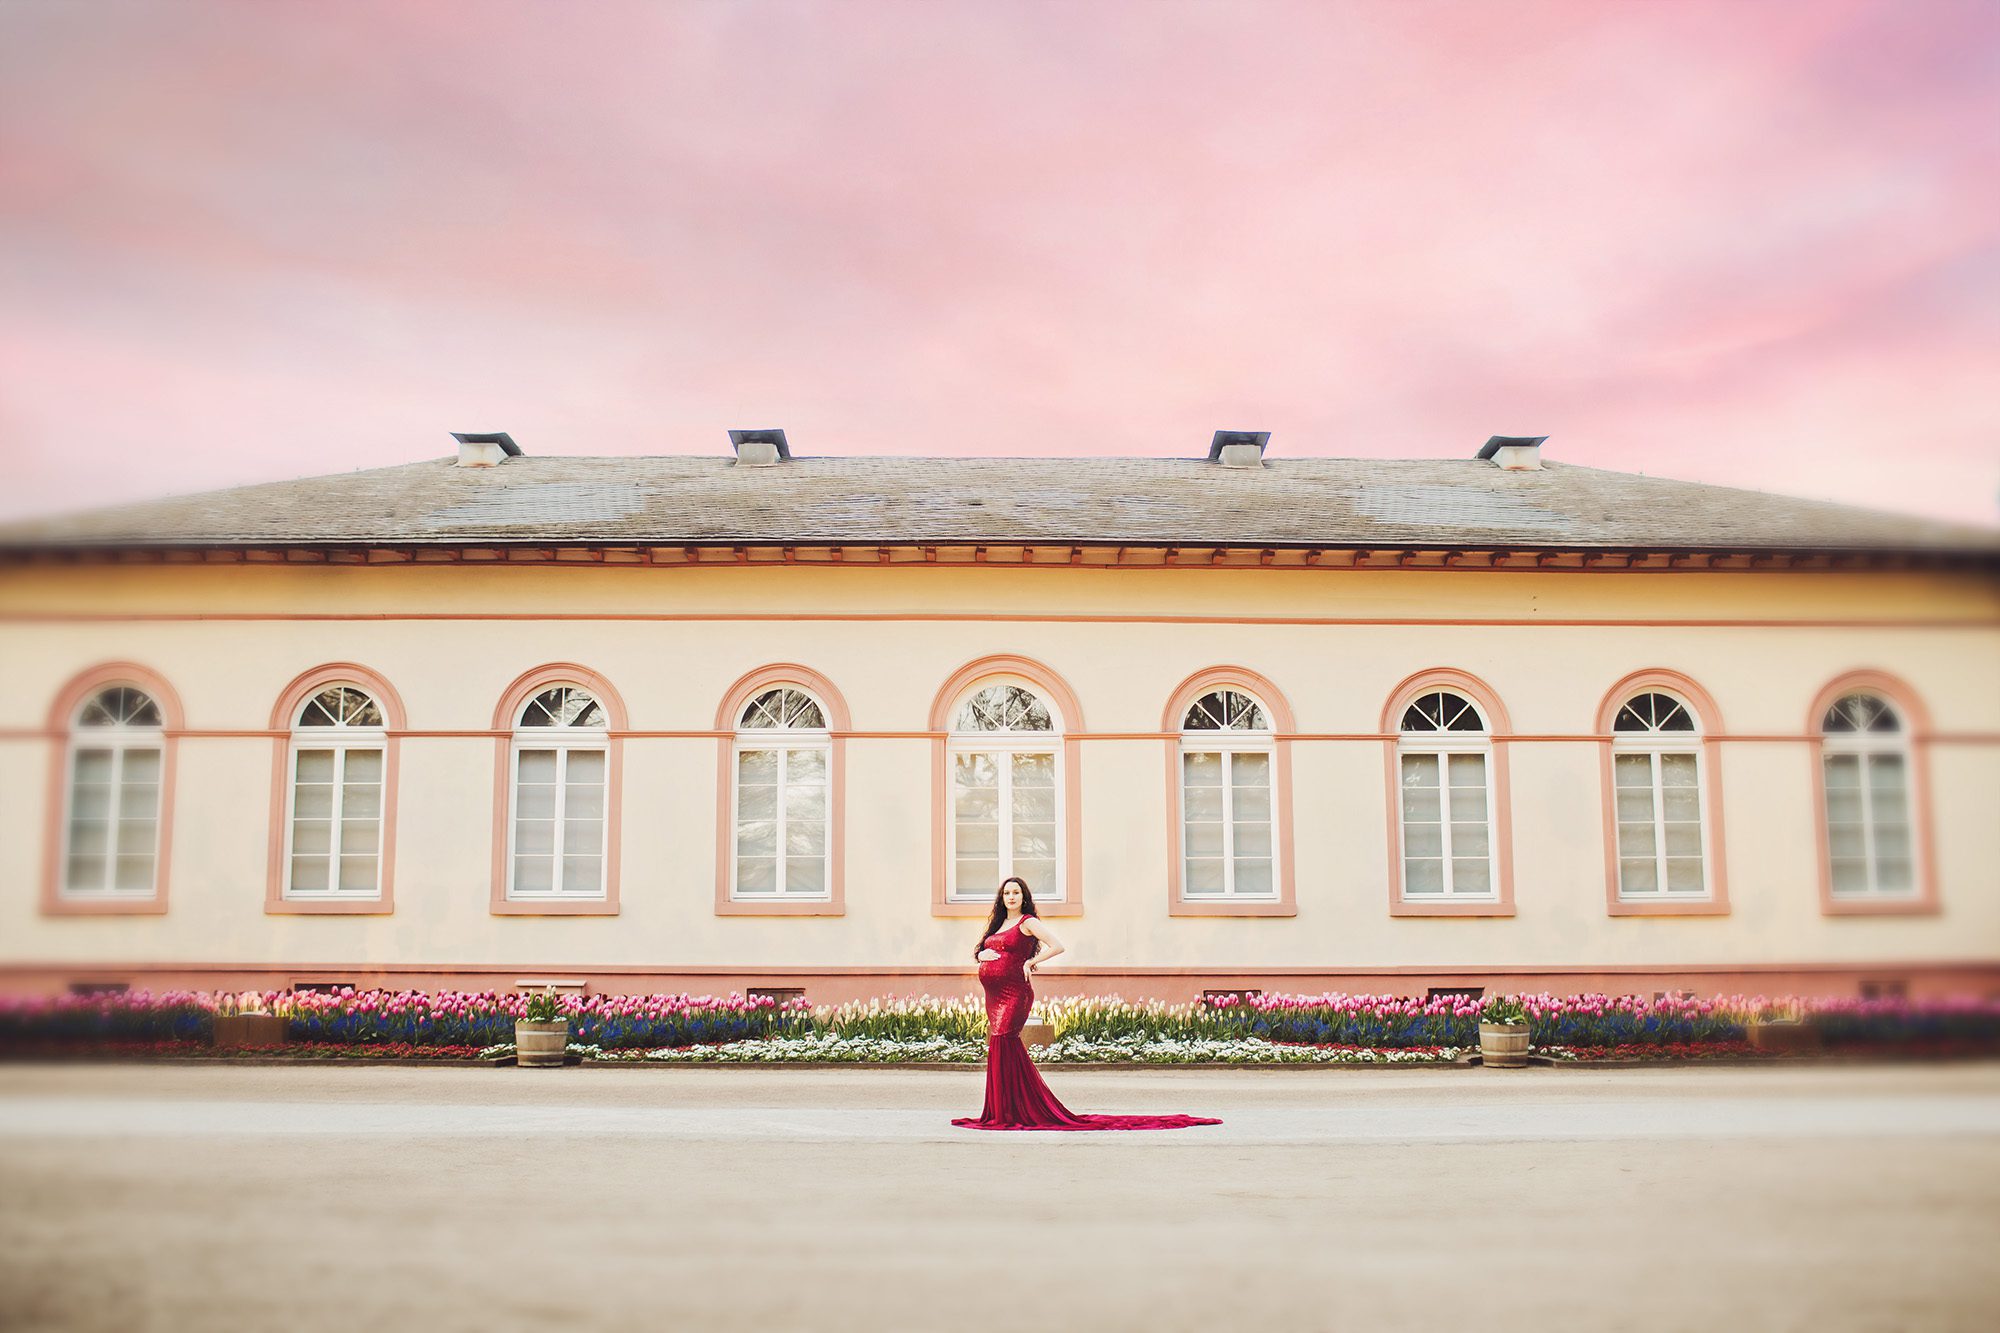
x=988 y=955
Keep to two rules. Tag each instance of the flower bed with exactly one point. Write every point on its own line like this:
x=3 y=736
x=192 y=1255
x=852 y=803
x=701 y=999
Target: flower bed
x=1267 y=1029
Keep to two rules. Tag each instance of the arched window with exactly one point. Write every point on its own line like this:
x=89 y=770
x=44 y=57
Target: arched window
x=1865 y=759
x=334 y=826
x=1443 y=757
x=1656 y=764
x=1226 y=808
x=557 y=813
x=1006 y=792
x=111 y=838
x=782 y=766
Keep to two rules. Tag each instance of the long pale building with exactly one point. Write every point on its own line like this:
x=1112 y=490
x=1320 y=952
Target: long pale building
x=777 y=722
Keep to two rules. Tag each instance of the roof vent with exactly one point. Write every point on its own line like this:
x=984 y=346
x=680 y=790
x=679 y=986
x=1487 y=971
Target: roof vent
x=1239 y=448
x=485 y=450
x=1516 y=453
x=759 y=448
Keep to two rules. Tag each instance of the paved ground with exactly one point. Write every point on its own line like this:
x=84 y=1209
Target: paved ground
x=218 y=1198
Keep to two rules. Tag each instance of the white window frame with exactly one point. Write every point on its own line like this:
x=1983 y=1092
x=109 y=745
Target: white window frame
x=564 y=740
x=342 y=739
x=1239 y=740
x=1444 y=744
x=120 y=739
x=1003 y=749
x=1865 y=745
x=1657 y=744
x=780 y=741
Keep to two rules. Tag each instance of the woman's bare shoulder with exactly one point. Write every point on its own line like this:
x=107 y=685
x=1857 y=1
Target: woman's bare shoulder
x=1028 y=925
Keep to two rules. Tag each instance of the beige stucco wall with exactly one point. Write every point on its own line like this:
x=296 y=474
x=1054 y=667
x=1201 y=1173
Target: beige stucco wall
x=1940 y=634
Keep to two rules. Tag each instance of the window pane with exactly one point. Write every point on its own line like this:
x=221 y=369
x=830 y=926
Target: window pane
x=1040 y=874
x=757 y=803
x=807 y=765
x=1850 y=875
x=361 y=800
x=979 y=839
x=314 y=800
x=1885 y=771
x=1468 y=770
x=309 y=874
x=1423 y=840
x=358 y=836
x=1203 y=839
x=1253 y=802
x=535 y=836
x=803 y=839
x=1204 y=874
x=582 y=837
x=756 y=874
x=1201 y=769
x=1892 y=842
x=1638 y=876
x=805 y=874
x=583 y=874
x=1843 y=806
x=1253 y=770
x=1893 y=875
x=1677 y=770
x=582 y=802
x=1035 y=803
x=312 y=837
x=364 y=765
x=1682 y=802
x=1253 y=877
x=357 y=874
x=135 y=873
x=977 y=803
x=1683 y=840
x=87 y=872
x=93 y=766
x=1035 y=841
x=1633 y=770
x=759 y=766
x=1422 y=876
x=1470 y=875
x=135 y=837
x=315 y=766
x=90 y=801
x=534 y=874
x=1636 y=840
x=1034 y=770
x=1468 y=803
x=757 y=838
x=91 y=837
x=977 y=875
x=976 y=770
x=1846 y=840
x=1203 y=803
x=142 y=766
x=1468 y=839
x=1253 y=839
x=1843 y=772
x=586 y=766
x=1684 y=874
x=536 y=766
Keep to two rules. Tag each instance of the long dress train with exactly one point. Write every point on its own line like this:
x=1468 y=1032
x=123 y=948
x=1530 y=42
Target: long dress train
x=1016 y=1096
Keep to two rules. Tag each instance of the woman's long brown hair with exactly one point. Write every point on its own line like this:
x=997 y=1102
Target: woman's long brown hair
x=999 y=915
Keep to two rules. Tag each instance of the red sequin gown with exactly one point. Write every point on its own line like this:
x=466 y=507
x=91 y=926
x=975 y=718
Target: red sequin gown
x=1016 y=1097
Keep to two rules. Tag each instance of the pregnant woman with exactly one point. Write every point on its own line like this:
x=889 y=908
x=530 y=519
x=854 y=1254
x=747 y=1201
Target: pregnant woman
x=1016 y=1097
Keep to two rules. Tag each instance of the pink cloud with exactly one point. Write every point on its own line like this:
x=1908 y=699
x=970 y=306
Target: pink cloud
x=1749 y=244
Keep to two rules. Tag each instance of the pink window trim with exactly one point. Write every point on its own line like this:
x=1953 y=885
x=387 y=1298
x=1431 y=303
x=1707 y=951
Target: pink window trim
x=1284 y=727
x=1499 y=728
x=1716 y=861
x=62 y=721
x=839 y=724
x=1917 y=724
x=1003 y=664
x=511 y=702
x=283 y=716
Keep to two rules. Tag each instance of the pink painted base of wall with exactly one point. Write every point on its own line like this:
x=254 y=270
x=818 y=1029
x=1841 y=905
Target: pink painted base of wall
x=836 y=985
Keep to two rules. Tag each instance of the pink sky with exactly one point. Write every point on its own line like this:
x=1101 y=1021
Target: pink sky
x=1749 y=243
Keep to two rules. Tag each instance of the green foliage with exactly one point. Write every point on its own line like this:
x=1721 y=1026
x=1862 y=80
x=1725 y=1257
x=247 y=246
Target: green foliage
x=1503 y=1009
x=543 y=1007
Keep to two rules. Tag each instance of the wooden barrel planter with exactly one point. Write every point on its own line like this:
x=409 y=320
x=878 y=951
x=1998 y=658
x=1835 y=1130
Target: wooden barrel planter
x=248 y=1030
x=1037 y=1034
x=540 y=1045
x=1783 y=1035
x=1503 y=1045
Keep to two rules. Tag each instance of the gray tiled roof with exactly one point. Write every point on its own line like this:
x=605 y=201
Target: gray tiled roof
x=1339 y=502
